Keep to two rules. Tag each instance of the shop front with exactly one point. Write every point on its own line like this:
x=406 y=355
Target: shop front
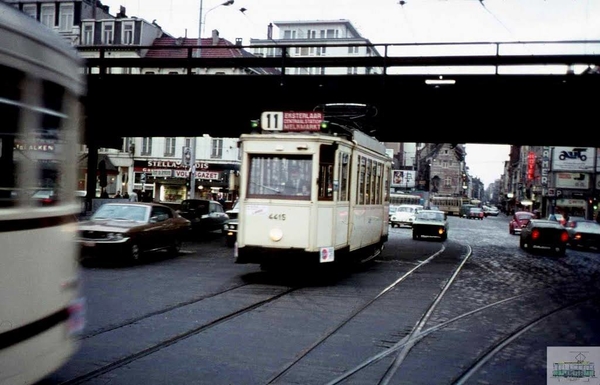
x=169 y=180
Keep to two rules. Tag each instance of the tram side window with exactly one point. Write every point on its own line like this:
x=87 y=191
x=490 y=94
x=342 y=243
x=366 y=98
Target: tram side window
x=361 y=171
x=10 y=96
x=326 y=162
x=343 y=176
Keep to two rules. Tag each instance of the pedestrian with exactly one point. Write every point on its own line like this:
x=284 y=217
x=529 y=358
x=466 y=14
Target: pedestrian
x=133 y=197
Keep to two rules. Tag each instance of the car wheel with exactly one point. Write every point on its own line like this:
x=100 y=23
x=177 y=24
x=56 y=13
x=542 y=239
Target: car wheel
x=414 y=235
x=176 y=246
x=561 y=251
x=230 y=241
x=521 y=243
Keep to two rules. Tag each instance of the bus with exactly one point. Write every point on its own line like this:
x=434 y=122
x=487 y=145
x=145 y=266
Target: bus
x=449 y=204
x=313 y=196
x=41 y=305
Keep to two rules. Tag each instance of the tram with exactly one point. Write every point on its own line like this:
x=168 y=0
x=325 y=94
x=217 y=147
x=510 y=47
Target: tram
x=313 y=192
x=41 y=306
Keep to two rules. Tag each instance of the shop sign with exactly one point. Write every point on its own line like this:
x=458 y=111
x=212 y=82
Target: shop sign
x=173 y=164
x=207 y=175
x=545 y=165
x=161 y=173
x=573 y=159
x=571 y=203
x=574 y=180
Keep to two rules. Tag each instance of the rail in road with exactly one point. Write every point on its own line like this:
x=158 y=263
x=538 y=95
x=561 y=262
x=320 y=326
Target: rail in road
x=447 y=271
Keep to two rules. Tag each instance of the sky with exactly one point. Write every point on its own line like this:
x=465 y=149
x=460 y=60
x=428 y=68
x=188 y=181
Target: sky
x=389 y=21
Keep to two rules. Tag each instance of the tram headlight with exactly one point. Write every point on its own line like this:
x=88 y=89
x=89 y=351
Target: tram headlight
x=276 y=235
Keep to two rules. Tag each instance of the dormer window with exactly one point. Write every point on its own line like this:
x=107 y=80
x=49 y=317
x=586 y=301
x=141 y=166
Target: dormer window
x=66 y=14
x=88 y=34
x=30 y=10
x=47 y=15
x=108 y=32
x=127 y=33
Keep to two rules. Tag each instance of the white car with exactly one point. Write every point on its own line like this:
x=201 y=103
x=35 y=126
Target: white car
x=405 y=215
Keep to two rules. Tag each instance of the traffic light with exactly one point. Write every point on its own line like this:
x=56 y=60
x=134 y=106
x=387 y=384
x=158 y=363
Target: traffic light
x=186 y=158
x=254 y=124
x=324 y=125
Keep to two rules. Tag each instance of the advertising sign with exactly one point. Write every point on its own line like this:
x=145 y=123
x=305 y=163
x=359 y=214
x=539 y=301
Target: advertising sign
x=545 y=165
x=573 y=180
x=403 y=178
x=573 y=159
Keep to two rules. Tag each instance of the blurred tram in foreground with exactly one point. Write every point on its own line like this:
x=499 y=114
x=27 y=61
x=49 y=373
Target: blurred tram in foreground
x=41 y=311
x=314 y=188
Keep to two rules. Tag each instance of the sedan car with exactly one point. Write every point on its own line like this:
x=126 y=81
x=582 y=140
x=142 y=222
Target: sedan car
x=430 y=223
x=544 y=233
x=230 y=227
x=132 y=229
x=405 y=215
x=584 y=234
x=204 y=214
x=475 y=213
x=519 y=220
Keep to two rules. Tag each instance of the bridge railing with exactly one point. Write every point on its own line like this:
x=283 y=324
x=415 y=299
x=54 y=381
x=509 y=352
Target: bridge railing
x=548 y=57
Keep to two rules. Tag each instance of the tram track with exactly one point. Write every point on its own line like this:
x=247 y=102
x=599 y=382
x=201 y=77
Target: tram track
x=116 y=364
x=330 y=332
x=167 y=309
x=402 y=347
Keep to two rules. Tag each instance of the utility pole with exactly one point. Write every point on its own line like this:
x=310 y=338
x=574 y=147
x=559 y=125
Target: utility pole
x=192 y=176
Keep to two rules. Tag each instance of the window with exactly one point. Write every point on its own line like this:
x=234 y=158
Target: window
x=444 y=164
x=30 y=10
x=216 y=151
x=108 y=30
x=88 y=34
x=332 y=33
x=448 y=182
x=146 y=146
x=360 y=197
x=289 y=34
x=188 y=142
x=326 y=162
x=170 y=147
x=66 y=12
x=352 y=70
x=280 y=177
x=47 y=15
x=344 y=166
x=127 y=33
x=353 y=49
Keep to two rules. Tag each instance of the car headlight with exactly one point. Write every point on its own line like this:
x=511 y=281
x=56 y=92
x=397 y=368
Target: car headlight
x=114 y=236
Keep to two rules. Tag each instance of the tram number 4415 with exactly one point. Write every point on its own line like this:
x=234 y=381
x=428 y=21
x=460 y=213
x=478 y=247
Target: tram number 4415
x=277 y=217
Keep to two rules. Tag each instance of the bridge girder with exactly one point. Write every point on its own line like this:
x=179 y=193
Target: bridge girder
x=495 y=109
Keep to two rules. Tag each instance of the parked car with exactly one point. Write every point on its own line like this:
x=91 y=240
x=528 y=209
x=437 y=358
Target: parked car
x=571 y=221
x=519 y=220
x=475 y=213
x=430 y=223
x=544 y=233
x=132 y=229
x=405 y=215
x=584 y=234
x=204 y=214
x=230 y=227
x=489 y=211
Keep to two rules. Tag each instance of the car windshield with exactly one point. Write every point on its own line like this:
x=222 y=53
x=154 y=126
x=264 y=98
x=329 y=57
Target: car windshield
x=121 y=212
x=403 y=209
x=523 y=217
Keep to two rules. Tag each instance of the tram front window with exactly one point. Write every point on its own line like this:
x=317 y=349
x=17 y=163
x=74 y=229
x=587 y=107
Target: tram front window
x=280 y=177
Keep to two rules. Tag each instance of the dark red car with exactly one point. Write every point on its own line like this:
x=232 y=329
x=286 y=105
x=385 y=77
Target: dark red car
x=519 y=220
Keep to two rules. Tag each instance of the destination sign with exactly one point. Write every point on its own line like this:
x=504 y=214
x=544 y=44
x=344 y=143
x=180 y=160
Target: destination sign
x=291 y=121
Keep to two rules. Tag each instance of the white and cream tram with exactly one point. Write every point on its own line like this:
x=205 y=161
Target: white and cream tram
x=41 y=308
x=314 y=188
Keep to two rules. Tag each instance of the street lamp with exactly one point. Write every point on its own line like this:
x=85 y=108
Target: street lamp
x=202 y=20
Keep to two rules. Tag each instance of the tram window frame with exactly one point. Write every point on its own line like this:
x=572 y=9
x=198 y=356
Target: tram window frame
x=271 y=176
x=10 y=90
x=326 y=168
x=343 y=176
x=360 y=185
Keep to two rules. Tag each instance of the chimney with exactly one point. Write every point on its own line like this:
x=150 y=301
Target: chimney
x=215 y=37
x=238 y=41
x=270 y=31
x=121 y=13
